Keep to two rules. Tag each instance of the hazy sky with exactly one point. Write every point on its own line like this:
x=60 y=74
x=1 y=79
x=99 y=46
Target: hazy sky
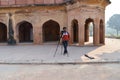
x=113 y=8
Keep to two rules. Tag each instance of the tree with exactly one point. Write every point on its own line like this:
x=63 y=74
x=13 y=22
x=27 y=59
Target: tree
x=91 y=28
x=114 y=22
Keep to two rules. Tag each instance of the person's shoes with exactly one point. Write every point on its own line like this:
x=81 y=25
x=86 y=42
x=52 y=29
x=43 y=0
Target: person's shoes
x=64 y=53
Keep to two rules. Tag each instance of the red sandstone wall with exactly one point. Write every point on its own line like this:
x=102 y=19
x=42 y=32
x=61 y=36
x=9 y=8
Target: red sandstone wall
x=23 y=2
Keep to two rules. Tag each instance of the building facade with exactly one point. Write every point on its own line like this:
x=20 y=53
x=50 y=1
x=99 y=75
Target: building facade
x=41 y=21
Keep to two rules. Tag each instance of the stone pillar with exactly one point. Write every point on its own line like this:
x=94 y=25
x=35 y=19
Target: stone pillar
x=71 y=34
x=41 y=35
x=16 y=31
x=103 y=32
x=36 y=35
x=96 y=32
x=69 y=30
x=11 y=40
x=81 y=34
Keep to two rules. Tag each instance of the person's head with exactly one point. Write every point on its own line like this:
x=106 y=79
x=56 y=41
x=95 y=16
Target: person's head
x=64 y=28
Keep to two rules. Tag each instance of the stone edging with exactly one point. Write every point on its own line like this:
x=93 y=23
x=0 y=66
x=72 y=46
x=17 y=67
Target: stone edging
x=59 y=63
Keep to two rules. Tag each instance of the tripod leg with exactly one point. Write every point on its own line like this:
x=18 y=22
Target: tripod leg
x=56 y=49
x=61 y=49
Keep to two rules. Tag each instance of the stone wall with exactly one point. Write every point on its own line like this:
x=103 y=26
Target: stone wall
x=27 y=2
x=83 y=12
x=37 y=16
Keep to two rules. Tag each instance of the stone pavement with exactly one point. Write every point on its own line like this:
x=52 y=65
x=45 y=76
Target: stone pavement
x=44 y=53
x=60 y=72
x=110 y=52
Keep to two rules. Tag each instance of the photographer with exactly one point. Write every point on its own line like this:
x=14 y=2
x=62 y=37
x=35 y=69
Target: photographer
x=65 y=39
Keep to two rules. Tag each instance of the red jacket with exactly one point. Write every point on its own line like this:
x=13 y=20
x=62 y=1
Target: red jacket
x=65 y=36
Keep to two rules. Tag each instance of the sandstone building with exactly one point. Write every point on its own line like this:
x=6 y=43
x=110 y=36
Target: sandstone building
x=41 y=21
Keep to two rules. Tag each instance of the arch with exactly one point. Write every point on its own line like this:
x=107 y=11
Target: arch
x=25 y=31
x=74 y=31
x=87 y=29
x=51 y=30
x=101 y=32
x=3 y=32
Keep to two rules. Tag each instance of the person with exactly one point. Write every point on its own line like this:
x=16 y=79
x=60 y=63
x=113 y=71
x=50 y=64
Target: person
x=65 y=39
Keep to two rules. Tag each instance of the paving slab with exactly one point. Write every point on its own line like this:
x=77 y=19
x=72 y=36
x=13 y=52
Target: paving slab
x=30 y=53
x=60 y=72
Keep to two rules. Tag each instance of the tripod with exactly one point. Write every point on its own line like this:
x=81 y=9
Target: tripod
x=61 y=49
x=57 y=48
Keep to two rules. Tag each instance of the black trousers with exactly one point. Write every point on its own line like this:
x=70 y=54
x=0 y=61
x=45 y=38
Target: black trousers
x=65 y=44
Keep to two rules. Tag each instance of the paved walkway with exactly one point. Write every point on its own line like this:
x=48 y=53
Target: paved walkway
x=44 y=53
x=109 y=52
x=60 y=72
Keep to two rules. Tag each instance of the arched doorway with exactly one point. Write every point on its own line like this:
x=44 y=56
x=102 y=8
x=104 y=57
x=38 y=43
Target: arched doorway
x=89 y=29
x=3 y=32
x=51 y=30
x=101 y=33
x=25 y=32
x=75 y=31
